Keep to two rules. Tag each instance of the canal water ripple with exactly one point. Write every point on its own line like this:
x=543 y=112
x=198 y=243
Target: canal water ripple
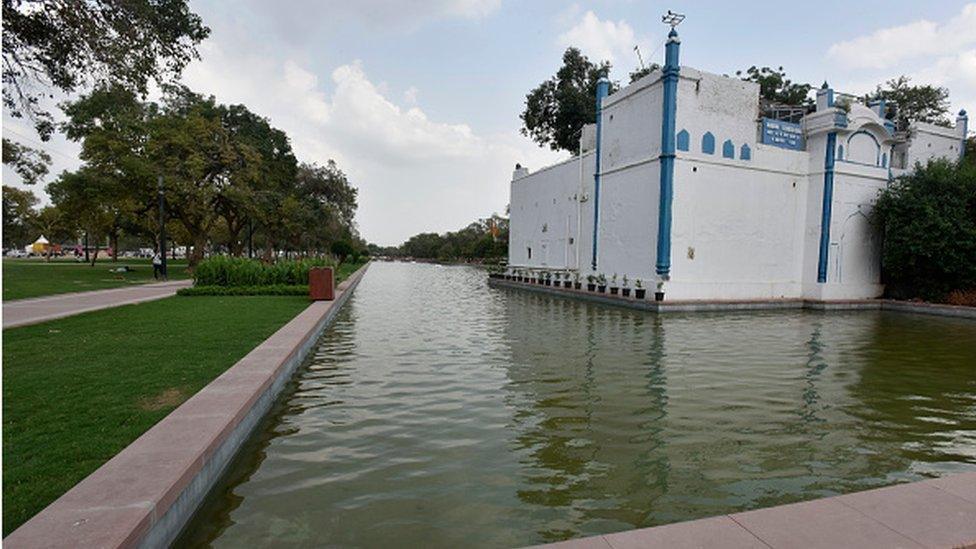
x=437 y=412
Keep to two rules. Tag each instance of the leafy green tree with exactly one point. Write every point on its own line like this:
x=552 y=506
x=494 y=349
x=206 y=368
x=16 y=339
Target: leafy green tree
x=30 y=164
x=66 y=44
x=89 y=199
x=914 y=103
x=775 y=87
x=18 y=214
x=51 y=222
x=558 y=108
x=928 y=219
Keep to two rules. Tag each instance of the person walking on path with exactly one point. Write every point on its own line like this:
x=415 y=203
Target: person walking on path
x=157 y=262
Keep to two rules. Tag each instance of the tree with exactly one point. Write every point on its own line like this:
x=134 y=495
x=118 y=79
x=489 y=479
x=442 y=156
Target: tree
x=30 y=164
x=89 y=199
x=775 y=87
x=18 y=213
x=928 y=219
x=914 y=103
x=637 y=74
x=65 y=44
x=51 y=222
x=558 y=108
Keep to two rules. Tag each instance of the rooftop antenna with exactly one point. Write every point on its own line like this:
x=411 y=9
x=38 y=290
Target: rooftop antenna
x=639 y=58
x=673 y=19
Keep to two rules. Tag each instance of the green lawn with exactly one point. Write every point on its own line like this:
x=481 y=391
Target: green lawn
x=78 y=390
x=24 y=278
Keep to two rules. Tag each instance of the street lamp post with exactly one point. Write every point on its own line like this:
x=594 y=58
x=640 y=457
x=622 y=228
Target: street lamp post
x=162 y=224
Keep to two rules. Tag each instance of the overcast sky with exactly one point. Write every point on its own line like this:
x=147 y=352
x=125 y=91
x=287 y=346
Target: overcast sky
x=419 y=100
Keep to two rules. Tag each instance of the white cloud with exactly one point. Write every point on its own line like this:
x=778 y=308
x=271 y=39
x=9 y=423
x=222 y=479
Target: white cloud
x=890 y=46
x=414 y=174
x=410 y=95
x=605 y=40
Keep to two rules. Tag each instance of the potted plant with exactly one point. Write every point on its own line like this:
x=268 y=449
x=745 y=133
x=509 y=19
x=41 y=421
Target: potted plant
x=614 y=289
x=639 y=291
x=576 y=281
x=659 y=294
x=555 y=278
x=567 y=282
x=601 y=283
x=547 y=279
x=624 y=290
x=590 y=283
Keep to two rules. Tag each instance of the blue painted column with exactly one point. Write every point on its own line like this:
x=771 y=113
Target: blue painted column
x=828 y=201
x=602 y=88
x=963 y=121
x=670 y=108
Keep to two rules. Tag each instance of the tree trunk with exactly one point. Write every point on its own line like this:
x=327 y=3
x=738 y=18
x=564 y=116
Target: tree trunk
x=94 y=256
x=114 y=243
x=199 y=243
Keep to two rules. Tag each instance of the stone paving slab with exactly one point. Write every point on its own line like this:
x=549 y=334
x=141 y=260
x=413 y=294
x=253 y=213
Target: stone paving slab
x=145 y=494
x=22 y=312
x=938 y=513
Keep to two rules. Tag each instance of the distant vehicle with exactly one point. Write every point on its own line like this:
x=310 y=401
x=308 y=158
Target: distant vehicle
x=17 y=253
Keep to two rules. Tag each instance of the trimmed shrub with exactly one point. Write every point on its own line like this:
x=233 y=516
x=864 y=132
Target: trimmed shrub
x=277 y=289
x=928 y=219
x=239 y=271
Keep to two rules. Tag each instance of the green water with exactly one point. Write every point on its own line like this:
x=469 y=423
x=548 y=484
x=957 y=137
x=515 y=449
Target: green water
x=439 y=413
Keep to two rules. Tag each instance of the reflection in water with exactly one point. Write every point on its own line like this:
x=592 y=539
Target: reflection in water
x=437 y=412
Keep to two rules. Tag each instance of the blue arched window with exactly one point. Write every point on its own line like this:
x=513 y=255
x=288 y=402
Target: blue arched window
x=728 y=149
x=708 y=143
x=884 y=160
x=745 y=153
x=683 y=139
x=840 y=152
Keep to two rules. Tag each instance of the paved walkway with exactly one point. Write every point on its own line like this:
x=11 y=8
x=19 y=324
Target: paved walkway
x=22 y=312
x=930 y=513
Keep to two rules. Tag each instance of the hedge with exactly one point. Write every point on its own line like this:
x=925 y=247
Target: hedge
x=238 y=271
x=271 y=289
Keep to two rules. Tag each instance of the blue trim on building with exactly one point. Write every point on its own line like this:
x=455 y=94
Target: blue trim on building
x=828 y=200
x=708 y=143
x=670 y=108
x=877 y=145
x=728 y=149
x=840 y=152
x=683 y=140
x=964 y=120
x=745 y=153
x=602 y=88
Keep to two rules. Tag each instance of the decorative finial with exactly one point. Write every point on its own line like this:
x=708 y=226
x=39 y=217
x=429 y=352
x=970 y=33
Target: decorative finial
x=673 y=19
x=825 y=86
x=962 y=112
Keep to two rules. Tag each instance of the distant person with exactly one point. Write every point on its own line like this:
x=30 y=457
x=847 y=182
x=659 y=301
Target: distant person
x=158 y=271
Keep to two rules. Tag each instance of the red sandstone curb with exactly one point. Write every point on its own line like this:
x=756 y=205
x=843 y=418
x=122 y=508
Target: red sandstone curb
x=121 y=503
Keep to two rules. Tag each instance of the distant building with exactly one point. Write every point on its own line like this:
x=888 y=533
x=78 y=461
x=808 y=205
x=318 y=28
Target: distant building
x=686 y=180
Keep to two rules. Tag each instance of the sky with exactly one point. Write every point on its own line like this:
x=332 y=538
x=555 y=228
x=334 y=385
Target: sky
x=418 y=101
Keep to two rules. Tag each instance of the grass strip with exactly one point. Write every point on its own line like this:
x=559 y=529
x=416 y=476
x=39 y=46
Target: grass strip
x=78 y=390
x=35 y=278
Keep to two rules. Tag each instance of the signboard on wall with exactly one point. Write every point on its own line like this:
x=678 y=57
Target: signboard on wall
x=785 y=135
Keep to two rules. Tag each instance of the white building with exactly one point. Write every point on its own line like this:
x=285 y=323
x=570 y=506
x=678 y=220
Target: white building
x=682 y=180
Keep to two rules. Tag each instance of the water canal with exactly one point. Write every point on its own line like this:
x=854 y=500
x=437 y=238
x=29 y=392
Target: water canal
x=437 y=412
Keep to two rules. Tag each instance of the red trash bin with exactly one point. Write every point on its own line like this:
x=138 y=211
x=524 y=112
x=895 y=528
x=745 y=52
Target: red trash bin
x=321 y=284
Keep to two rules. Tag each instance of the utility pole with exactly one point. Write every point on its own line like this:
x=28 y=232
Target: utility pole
x=162 y=223
x=86 y=246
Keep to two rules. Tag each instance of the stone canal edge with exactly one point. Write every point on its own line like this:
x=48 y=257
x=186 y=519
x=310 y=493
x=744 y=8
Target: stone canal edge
x=145 y=495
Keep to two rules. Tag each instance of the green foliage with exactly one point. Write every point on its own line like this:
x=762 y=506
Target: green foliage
x=483 y=239
x=557 y=109
x=18 y=213
x=928 y=220
x=67 y=44
x=239 y=271
x=275 y=289
x=914 y=103
x=30 y=164
x=637 y=74
x=775 y=87
x=341 y=249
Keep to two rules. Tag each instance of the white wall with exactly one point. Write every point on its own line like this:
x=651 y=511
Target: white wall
x=545 y=213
